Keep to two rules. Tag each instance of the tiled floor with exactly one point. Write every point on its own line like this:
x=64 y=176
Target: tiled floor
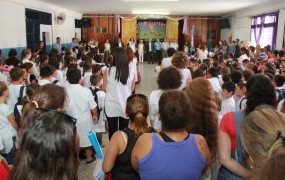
x=147 y=85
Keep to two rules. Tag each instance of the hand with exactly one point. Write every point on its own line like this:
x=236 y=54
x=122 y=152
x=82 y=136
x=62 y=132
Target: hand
x=95 y=119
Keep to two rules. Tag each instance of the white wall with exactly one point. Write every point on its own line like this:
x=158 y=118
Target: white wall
x=241 y=21
x=13 y=25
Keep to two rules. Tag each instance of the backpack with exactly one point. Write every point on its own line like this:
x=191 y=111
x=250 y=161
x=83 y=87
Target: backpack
x=94 y=92
x=17 y=114
x=281 y=94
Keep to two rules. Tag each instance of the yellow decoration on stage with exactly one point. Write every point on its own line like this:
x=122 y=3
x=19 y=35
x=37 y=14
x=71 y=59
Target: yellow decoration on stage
x=129 y=30
x=171 y=30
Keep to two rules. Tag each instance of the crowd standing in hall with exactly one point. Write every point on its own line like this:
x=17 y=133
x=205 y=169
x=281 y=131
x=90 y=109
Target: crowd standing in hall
x=214 y=114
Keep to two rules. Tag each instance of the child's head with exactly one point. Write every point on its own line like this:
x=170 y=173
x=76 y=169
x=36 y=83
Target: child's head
x=236 y=76
x=43 y=59
x=45 y=97
x=3 y=89
x=73 y=76
x=96 y=69
x=228 y=89
x=213 y=72
x=246 y=74
x=17 y=74
x=279 y=80
x=240 y=90
x=30 y=91
x=26 y=54
x=226 y=78
x=137 y=109
x=96 y=80
x=46 y=72
x=29 y=67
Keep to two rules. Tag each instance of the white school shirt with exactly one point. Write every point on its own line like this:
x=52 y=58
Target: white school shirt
x=241 y=58
x=100 y=126
x=186 y=74
x=117 y=94
x=153 y=108
x=14 y=91
x=280 y=105
x=215 y=84
x=202 y=54
x=42 y=82
x=165 y=46
x=3 y=77
x=241 y=102
x=86 y=79
x=7 y=131
x=133 y=67
x=81 y=101
x=228 y=105
x=132 y=46
x=166 y=62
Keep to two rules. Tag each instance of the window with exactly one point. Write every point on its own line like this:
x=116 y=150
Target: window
x=263 y=30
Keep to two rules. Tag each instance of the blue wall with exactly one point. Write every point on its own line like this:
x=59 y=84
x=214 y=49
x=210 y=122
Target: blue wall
x=5 y=51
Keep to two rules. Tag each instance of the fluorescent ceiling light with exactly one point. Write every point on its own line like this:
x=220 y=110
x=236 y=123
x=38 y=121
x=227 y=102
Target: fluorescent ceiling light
x=150 y=0
x=150 y=12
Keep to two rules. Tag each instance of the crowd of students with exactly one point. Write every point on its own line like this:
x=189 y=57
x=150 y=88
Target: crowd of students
x=212 y=118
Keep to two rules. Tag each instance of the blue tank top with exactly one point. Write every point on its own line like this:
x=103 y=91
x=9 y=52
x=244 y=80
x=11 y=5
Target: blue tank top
x=172 y=160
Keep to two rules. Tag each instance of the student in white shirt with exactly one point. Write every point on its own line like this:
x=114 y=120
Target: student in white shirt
x=8 y=125
x=244 y=55
x=240 y=93
x=96 y=82
x=80 y=103
x=26 y=57
x=87 y=69
x=168 y=78
x=180 y=61
x=16 y=75
x=3 y=77
x=46 y=74
x=228 y=104
x=212 y=76
x=166 y=62
x=118 y=83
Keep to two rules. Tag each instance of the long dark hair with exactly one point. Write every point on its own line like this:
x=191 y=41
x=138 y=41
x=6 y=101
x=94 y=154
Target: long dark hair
x=259 y=91
x=120 y=60
x=48 y=149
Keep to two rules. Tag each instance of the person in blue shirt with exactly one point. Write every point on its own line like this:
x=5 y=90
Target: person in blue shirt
x=157 y=48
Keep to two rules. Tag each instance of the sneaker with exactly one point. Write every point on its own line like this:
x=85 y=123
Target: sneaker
x=91 y=161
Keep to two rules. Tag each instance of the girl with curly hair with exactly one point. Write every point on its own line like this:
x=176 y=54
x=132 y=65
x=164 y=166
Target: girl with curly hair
x=204 y=115
x=181 y=62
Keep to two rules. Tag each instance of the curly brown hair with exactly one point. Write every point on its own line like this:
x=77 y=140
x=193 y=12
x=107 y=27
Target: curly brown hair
x=204 y=112
x=180 y=60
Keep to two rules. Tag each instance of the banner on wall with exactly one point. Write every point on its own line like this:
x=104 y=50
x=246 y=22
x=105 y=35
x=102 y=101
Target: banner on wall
x=155 y=29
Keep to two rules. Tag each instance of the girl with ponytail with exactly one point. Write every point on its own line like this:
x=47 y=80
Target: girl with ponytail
x=49 y=96
x=263 y=134
x=118 y=154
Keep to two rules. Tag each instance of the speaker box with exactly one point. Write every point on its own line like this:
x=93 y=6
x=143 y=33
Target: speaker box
x=86 y=22
x=78 y=23
x=224 y=24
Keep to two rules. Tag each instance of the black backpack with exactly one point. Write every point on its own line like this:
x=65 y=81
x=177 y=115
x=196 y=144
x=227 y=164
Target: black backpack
x=17 y=114
x=281 y=94
x=94 y=92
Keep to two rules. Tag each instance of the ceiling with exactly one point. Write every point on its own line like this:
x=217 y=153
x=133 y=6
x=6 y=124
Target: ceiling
x=178 y=7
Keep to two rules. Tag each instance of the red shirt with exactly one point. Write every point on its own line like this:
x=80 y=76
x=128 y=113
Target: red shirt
x=228 y=126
